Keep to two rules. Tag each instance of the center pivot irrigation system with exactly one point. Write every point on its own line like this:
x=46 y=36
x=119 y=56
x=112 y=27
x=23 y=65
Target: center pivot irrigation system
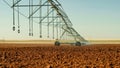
x=50 y=18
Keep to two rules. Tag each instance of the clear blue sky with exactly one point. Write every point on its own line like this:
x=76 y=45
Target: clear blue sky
x=93 y=19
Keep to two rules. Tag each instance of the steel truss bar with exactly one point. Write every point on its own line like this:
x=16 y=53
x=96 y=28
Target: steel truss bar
x=17 y=1
x=31 y=5
x=46 y=17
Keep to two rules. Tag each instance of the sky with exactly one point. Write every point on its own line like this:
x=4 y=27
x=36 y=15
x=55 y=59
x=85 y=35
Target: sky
x=93 y=19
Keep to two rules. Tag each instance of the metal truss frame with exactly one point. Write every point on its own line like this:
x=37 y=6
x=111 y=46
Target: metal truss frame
x=49 y=13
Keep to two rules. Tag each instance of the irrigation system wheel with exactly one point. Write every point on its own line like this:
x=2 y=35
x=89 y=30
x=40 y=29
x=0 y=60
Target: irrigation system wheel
x=57 y=43
x=78 y=43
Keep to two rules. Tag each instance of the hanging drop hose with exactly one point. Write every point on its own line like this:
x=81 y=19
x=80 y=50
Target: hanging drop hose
x=32 y=18
x=53 y=22
x=48 y=19
x=40 y=19
x=13 y=17
x=29 y=21
x=18 y=21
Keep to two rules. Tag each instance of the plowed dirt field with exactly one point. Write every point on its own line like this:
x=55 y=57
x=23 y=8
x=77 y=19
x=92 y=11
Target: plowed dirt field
x=49 y=56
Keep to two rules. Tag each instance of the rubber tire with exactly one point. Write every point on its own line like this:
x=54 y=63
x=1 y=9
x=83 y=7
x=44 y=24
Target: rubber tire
x=77 y=44
x=57 y=43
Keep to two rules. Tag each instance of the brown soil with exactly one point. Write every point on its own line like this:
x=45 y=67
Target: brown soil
x=49 y=56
